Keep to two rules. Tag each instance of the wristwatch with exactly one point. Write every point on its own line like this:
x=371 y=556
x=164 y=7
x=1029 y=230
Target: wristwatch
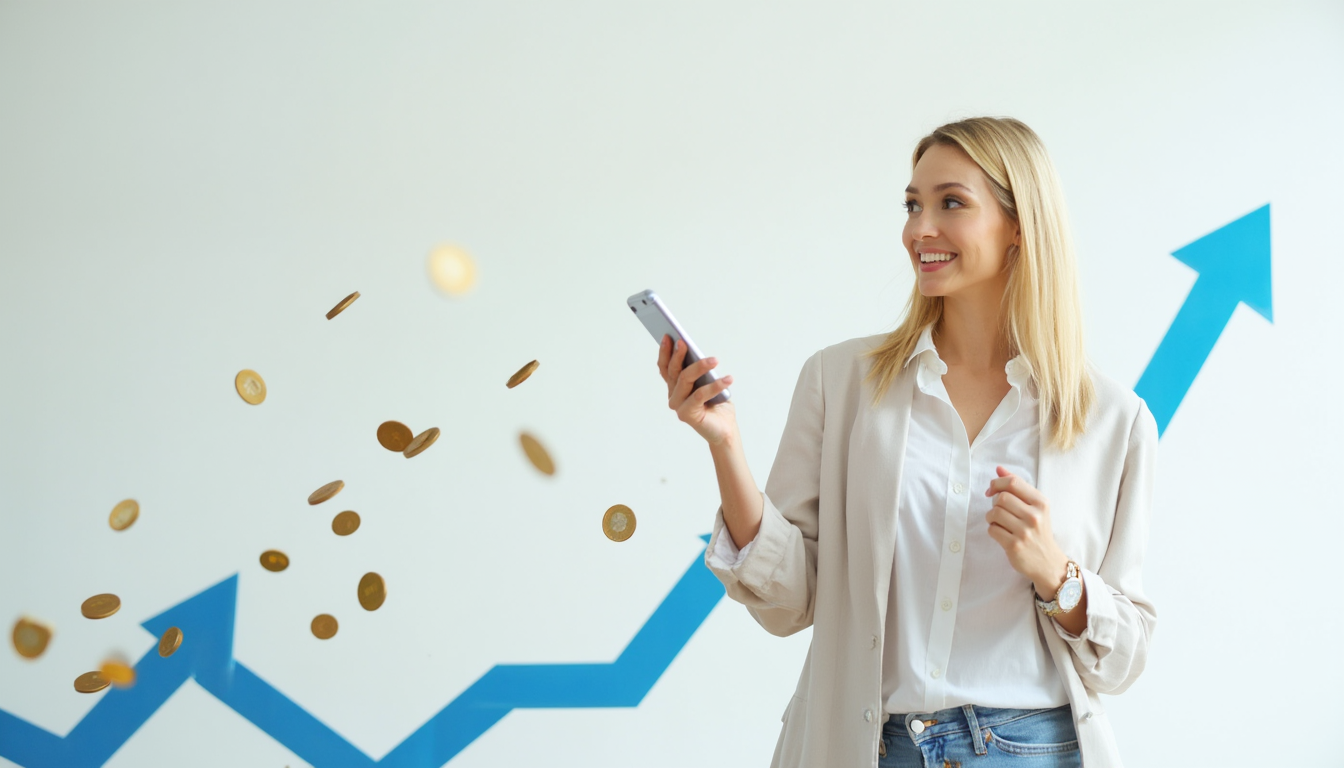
x=1068 y=595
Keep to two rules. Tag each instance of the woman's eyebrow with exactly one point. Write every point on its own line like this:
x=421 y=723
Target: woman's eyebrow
x=946 y=185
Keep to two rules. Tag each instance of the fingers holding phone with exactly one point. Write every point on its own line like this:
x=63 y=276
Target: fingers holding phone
x=712 y=422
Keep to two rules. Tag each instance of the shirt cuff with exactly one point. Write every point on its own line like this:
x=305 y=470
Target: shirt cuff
x=726 y=555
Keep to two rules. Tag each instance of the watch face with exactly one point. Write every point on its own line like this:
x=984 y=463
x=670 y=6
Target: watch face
x=1070 y=594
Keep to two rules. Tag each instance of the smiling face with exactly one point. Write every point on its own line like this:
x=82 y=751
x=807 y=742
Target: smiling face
x=956 y=232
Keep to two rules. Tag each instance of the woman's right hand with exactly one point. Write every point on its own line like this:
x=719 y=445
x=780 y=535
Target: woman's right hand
x=714 y=423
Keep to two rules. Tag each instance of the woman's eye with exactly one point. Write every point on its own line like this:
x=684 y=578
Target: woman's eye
x=910 y=206
x=948 y=201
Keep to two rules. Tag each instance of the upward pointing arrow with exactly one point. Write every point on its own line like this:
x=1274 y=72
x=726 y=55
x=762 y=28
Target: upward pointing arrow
x=1233 y=263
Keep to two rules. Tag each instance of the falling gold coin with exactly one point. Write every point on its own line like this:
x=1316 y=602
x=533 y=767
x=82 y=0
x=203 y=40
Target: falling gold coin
x=345 y=523
x=522 y=374
x=274 y=560
x=372 y=591
x=421 y=442
x=168 y=644
x=90 y=682
x=619 y=523
x=452 y=269
x=118 y=673
x=30 y=638
x=324 y=626
x=100 y=606
x=251 y=387
x=339 y=308
x=394 y=436
x=123 y=515
x=537 y=454
x=326 y=492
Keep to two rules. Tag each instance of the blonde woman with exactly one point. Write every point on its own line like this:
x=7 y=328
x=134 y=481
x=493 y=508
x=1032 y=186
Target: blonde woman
x=958 y=508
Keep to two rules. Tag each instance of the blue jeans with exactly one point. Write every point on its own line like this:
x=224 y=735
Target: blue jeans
x=981 y=737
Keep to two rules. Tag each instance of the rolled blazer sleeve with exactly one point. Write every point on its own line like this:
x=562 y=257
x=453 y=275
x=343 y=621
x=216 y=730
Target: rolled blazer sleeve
x=777 y=576
x=1113 y=649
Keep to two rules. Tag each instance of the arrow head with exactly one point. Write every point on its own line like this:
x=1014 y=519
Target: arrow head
x=206 y=621
x=1236 y=259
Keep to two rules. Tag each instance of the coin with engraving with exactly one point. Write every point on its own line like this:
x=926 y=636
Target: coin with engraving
x=118 y=673
x=345 y=523
x=100 y=606
x=168 y=644
x=90 y=682
x=326 y=492
x=372 y=591
x=394 y=436
x=274 y=560
x=340 y=306
x=536 y=453
x=619 y=523
x=421 y=442
x=522 y=374
x=251 y=387
x=124 y=514
x=451 y=269
x=30 y=638
x=324 y=626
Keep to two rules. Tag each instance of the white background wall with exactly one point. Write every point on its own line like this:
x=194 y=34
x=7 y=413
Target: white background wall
x=185 y=189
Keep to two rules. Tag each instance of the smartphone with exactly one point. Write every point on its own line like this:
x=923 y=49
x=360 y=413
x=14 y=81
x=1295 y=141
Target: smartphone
x=655 y=316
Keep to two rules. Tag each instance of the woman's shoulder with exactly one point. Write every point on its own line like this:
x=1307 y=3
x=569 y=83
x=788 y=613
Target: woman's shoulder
x=1117 y=407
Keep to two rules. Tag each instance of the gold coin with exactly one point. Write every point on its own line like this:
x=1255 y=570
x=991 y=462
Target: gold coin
x=619 y=523
x=168 y=644
x=274 y=560
x=123 y=515
x=345 y=523
x=324 y=626
x=118 y=673
x=372 y=591
x=340 y=307
x=100 y=606
x=30 y=638
x=394 y=436
x=251 y=387
x=326 y=492
x=522 y=374
x=90 y=682
x=452 y=269
x=421 y=442
x=537 y=454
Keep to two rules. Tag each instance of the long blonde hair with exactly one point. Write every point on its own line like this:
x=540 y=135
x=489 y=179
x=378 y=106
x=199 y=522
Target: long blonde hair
x=1040 y=316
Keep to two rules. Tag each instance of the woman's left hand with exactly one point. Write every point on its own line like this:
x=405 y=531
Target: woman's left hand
x=1020 y=523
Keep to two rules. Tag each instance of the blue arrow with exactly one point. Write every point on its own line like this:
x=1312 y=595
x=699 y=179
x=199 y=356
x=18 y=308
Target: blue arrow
x=206 y=654
x=1233 y=263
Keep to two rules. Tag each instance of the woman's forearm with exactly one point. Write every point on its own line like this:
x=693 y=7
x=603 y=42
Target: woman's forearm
x=743 y=504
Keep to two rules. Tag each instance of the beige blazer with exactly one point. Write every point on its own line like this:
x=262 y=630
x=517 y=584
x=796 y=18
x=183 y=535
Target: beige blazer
x=823 y=557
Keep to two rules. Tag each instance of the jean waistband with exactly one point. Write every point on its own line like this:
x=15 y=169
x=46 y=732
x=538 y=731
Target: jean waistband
x=970 y=717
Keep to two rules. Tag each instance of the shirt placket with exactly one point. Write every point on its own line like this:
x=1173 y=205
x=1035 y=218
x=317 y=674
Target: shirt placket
x=950 y=560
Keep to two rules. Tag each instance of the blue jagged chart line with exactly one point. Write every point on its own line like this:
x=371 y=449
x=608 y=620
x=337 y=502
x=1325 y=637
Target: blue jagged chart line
x=206 y=655
x=1233 y=263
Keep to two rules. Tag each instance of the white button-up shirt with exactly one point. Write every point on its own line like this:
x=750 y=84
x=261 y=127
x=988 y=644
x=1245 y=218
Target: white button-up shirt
x=961 y=623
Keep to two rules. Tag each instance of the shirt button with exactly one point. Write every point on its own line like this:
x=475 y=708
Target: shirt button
x=959 y=488
x=947 y=606
x=917 y=726
x=955 y=546
x=874 y=641
x=937 y=673
x=868 y=715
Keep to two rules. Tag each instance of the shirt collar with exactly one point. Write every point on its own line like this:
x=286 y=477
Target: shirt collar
x=1019 y=370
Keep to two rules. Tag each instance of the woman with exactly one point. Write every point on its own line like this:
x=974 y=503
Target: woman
x=958 y=508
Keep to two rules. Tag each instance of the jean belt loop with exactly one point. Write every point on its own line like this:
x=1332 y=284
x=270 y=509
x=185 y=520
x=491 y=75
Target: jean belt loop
x=976 y=738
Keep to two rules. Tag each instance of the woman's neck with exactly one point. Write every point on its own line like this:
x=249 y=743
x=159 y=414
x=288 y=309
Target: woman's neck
x=968 y=335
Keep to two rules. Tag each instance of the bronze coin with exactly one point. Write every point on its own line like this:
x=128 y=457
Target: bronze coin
x=118 y=673
x=124 y=515
x=345 y=523
x=100 y=606
x=421 y=442
x=394 y=436
x=324 y=626
x=619 y=523
x=274 y=560
x=342 y=304
x=451 y=269
x=372 y=591
x=522 y=374
x=90 y=682
x=326 y=492
x=169 y=643
x=536 y=453
x=251 y=387
x=30 y=638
